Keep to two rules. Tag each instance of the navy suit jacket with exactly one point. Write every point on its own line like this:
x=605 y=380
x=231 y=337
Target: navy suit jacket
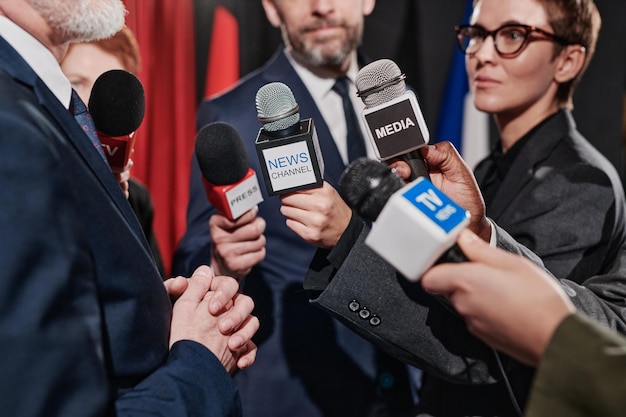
x=84 y=316
x=308 y=364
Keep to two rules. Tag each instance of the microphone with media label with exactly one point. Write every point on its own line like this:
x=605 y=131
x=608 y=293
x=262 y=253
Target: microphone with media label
x=230 y=184
x=288 y=148
x=414 y=225
x=117 y=105
x=394 y=120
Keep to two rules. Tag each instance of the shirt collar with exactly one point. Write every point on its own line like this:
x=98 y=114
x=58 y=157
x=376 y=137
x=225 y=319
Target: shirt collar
x=319 y=87
x=39 y=58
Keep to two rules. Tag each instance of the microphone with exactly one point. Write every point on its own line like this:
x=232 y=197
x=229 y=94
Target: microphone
x=117 y=105
x=287 y=147
x=393 y=116
x=230 y=184
x=414 y=225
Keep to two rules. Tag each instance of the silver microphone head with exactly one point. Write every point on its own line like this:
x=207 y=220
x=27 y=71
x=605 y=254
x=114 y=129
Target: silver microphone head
x=276 y=107
x=379 y=82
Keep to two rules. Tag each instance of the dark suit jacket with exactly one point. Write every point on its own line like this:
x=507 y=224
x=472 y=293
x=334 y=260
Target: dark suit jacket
x=307 y=364
x=561 y=189
x=84 y=317
x=581 y=373
x=141 y=203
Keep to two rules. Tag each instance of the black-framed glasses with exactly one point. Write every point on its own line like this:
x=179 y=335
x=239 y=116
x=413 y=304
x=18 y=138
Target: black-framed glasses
x=508 y=39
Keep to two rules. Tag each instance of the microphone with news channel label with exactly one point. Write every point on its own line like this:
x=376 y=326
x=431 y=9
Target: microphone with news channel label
x=414 y=225
x=394 y=120
x=230 y=184
x=288 y=148
x=117 y=105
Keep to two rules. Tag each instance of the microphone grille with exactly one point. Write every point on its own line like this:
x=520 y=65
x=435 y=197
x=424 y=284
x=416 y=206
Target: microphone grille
x=221 y=154
x=376 y=74
x=276 y=107
x=366 y=185
x=117 y=103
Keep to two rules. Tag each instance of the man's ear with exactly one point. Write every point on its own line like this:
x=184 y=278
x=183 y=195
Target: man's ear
x=368 y=7
x=571 y=61
x=271 y=12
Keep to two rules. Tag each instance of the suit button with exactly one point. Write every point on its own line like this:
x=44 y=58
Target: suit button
x=374 y=321
x=354 y=306
x=364 y=313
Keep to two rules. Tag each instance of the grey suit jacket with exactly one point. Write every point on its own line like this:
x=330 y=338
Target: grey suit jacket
x=558 y=183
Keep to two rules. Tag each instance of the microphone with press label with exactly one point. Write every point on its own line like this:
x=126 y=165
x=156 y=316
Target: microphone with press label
x=117 y=105
x=394 y=120
x=414 y=225
x=287 y=147
x=230 y=184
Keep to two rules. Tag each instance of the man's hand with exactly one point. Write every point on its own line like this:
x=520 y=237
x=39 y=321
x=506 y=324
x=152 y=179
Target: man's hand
x=453 y=177
x=237 y=245
x=506 y=300
x=211 y=312
x=318 y=215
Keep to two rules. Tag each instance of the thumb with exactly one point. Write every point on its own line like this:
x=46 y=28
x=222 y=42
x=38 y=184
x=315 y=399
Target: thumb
x=445 y=278
x=199 y=283
x=477 y=250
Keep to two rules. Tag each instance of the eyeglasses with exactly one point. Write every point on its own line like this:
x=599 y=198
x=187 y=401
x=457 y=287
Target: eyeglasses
x=507 y=39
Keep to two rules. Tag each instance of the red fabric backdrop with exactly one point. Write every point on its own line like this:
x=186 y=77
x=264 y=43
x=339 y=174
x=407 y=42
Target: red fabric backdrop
x=165 y=33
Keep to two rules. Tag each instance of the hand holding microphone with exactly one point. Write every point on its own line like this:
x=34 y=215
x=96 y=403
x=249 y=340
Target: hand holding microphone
x=318 y=215
x=233 y=189
x=395 y=123
x=288 y=148
x=413 y=224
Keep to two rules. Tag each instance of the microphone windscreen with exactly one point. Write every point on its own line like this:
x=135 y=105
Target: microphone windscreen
x=117 y=103
x=221 y=154
x=377 y=74
x=276 y=107
x=366 y=185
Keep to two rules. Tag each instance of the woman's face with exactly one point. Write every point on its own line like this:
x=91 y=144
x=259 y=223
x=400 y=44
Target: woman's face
x=511 y=86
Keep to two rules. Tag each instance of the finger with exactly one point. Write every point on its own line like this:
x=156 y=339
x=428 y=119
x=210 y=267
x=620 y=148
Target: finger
x=199 y=283
x=477 y=250
x=442 y=279
x=175 y=287
x=401 y=168
x=223 y=290
x=234 y=318
x=247 y=355
x=244 y=334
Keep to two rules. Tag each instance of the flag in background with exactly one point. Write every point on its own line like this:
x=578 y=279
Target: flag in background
x=459 y=120
x=223 y=57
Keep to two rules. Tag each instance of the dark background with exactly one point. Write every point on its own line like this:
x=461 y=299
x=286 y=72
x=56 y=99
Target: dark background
x=418 y=35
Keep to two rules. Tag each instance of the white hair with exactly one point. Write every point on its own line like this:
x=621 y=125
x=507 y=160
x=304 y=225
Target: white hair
x=81 y=20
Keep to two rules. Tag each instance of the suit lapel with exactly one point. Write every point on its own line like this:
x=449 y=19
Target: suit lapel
x=13 y=64
x=536 y=150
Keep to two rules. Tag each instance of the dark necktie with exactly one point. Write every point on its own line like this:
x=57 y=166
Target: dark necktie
x=356 y=145
x=82 y=116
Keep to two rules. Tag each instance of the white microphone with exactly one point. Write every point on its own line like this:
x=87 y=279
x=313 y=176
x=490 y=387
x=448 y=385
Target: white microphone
x=288 y=148
x=396 y=126
x=414 y=225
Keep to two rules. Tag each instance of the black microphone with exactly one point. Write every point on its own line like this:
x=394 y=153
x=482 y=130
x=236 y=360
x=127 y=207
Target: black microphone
x=414 y=225
x=117 y=105
x=288 y=148
x=393 y=116
x=230 y=184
